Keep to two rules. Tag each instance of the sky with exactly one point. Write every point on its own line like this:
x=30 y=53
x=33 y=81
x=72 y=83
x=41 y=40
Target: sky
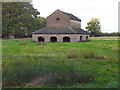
x=105 y=10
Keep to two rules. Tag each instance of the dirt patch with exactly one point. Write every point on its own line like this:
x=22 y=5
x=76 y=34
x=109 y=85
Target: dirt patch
x=38 y=81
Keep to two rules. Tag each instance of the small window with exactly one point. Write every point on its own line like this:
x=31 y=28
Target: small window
x=57 y=19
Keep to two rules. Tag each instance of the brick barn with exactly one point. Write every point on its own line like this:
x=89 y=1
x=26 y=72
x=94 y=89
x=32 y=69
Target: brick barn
x=61 y=27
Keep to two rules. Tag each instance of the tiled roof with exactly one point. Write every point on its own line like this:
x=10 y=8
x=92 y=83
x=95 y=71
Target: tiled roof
x=71 y=16
x=60 y=30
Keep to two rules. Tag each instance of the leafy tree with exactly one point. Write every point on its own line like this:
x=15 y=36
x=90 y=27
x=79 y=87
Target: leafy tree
x=19 y=19
x=42 y=21
x=93 y=26
x=39 y=22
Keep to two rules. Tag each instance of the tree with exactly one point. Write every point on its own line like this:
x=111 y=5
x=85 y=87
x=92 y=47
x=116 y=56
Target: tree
x=93 y=26
x=19 y=19
x=42 y=21
x=39 y=23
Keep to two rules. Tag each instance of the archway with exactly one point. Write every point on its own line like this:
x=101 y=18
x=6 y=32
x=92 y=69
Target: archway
x=53 y=39
x=80 y=38
x=86 y=38
x=41 y=39
x=66 y=39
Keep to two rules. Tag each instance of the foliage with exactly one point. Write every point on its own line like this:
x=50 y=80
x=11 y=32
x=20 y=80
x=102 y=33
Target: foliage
x=93 y=26
x=20 y=19
x=42 y=21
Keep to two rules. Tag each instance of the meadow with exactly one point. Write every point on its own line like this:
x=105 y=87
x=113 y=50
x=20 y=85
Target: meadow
x=91 y=64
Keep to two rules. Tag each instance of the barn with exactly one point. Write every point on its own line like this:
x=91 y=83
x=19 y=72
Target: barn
x=61 y=27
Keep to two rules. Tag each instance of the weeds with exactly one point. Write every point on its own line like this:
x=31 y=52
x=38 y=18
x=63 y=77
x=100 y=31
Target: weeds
x=70 y=76
x=92 y=55
x=23 y=43
x=75 y=53
x=20 y=74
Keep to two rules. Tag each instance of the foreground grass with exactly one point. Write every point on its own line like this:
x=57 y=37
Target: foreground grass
x=76 y=64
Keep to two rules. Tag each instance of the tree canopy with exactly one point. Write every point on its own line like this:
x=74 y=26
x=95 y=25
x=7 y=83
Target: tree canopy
x=93 y=26
x=19 y=19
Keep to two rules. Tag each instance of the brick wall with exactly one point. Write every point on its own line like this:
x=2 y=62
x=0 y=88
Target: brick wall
x=62 y=21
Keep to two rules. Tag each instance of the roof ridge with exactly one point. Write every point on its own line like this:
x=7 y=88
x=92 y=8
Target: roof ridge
x=72 y=29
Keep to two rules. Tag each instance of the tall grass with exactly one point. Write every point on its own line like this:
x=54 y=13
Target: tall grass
x=76 y=53
x=21 y=74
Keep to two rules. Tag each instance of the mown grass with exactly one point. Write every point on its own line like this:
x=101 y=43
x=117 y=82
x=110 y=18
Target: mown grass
x=78 y=64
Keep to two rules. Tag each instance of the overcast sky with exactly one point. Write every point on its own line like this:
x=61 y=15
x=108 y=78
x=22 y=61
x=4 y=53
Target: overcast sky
x=105 y=10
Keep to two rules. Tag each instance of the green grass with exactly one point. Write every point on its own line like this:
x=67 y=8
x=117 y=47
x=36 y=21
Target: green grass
x=91 y=64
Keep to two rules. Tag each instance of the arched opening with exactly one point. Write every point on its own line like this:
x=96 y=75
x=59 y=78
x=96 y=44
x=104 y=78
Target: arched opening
x=41 y=39
x=86 y=38
x=80 y=38
x=53 y=39
x=66 y=39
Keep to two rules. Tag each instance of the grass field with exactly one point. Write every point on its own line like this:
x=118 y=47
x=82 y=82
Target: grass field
x=91 y=64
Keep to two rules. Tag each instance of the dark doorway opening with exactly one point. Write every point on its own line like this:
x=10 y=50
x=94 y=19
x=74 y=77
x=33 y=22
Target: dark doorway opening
x=41 y=39
x=53 y=39
x=86 y=38
x=80 y=38
x=66 y=39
